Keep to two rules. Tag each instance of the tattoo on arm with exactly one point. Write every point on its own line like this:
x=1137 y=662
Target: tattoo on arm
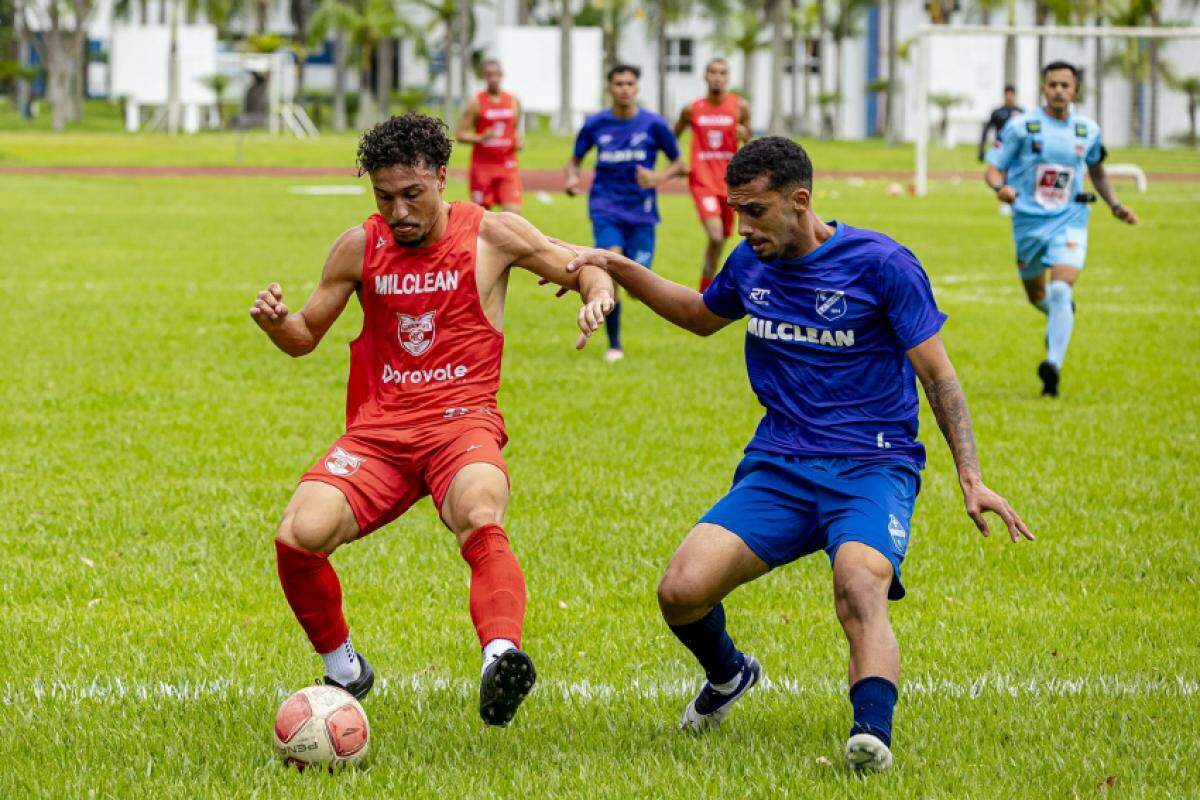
x=949 y=406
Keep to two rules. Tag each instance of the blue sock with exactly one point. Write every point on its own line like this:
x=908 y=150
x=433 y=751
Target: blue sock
x=612 y=325
x=711 y=645
x=1059 y=322
x=874 y=699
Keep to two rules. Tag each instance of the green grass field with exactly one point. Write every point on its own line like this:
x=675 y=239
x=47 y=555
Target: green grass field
x=152 y=436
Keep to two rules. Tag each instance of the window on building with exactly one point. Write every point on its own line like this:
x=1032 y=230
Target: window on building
x=680 y=56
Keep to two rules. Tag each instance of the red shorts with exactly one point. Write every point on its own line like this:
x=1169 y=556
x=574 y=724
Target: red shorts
x=712 y=205
x=384 y=471
x=495 y=185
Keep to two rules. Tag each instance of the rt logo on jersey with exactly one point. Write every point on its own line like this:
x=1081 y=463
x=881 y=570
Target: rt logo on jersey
x=343 y=463
x=416 y=334
x=759 y=296
x=898 y=534
x=831 y=304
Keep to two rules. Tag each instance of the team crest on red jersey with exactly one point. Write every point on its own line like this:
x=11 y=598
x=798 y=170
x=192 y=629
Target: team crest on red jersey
x=416 y=333
x=343 y=463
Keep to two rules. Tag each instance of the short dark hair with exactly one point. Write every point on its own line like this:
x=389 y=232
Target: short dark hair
x=783 y=161
x=619 y=68
x=717 y=60
x=1053 y=65
x=407 y=140
x=1008 y=87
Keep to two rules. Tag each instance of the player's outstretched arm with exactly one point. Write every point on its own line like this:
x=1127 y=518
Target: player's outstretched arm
x=672 y=301
x=1103 y=185
x=298 y=333
x=465 y=132
x=684 y=121
x=518 y=243
x=949 y=405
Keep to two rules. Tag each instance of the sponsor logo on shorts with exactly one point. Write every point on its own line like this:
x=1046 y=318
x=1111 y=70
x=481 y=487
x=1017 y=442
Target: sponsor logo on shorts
x=831 y=303
x=898 y=534
x=416 y=334
x=342 y=462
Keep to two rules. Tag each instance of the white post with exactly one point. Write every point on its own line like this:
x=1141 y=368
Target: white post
x=922 y=155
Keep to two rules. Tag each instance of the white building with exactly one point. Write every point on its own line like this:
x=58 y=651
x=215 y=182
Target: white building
x=971 y=68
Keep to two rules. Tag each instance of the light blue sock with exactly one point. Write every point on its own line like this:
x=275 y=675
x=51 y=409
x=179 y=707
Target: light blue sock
x=1060 y=319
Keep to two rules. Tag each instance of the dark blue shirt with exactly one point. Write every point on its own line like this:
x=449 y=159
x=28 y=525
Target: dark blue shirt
x=826 y=341
x=623 y=145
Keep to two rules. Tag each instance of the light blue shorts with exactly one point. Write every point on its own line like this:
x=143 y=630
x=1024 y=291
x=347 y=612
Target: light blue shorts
x=1037 y=252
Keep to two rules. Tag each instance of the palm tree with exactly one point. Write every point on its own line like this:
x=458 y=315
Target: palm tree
x=777 y=14
x=945 y=102
x=64 y=30
x=364 y=23
x=660 y=14
x=740 y=29
x=566 y=112
x=845 y=26
x=446 y=20
x=613 y=16
x=1191 y=87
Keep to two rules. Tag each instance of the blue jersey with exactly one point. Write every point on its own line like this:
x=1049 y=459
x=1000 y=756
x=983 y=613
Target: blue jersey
x=826 y=342
x=1044 y=160
x=623 y=145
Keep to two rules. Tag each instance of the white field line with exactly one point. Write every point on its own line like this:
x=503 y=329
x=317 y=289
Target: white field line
x=116 y=689
x=1107 y=308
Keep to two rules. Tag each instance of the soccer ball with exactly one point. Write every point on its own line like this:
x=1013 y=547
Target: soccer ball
x=323 y=726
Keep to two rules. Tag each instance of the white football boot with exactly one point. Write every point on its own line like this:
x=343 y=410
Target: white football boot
x=867 y=753
x=710 y=708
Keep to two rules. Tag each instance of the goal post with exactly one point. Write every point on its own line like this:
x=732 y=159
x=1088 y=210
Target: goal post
x=926 y=36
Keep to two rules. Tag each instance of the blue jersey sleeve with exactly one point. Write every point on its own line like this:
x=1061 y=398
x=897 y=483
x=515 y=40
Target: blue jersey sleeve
x=1096 y=153
x=722 y=297
x=1008 y=144
x=908 y=299
x=664 y=137
x=584 y=140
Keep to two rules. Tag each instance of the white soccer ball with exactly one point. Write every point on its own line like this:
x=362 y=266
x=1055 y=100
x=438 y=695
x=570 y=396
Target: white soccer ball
x=895 y=189
x=323 y=726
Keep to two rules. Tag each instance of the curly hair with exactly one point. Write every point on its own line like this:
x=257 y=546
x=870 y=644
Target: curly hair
x=408 y=140
x=783 y=161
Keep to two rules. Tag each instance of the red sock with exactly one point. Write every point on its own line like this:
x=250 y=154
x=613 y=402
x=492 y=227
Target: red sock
x=497 y=585
x=705 y=282
x=312 y=590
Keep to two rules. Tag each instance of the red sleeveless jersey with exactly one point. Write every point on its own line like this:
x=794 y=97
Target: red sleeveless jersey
x=426 y=350
x=714 y=141
x=499 y=117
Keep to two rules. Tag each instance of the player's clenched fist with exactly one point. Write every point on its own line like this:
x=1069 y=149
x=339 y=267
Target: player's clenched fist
x=268 y=309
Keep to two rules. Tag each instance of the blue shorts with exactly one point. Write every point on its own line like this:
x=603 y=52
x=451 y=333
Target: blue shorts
x=1038 y=251
x=785 y=507
x=635 y=241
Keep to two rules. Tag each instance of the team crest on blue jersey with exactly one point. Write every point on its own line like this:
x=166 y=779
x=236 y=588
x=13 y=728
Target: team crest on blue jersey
x=637 y=138
x=898 y=534
x=831 y=303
